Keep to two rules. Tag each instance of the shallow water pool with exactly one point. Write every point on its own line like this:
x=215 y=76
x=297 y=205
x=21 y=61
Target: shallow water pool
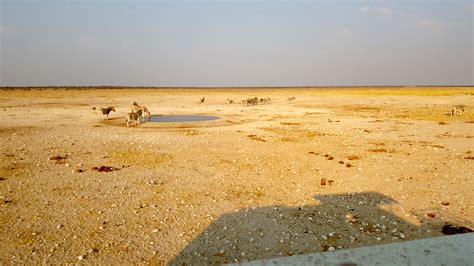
x=181 y=118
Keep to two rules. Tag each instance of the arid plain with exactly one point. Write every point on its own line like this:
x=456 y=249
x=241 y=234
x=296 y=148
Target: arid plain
x=334 y=168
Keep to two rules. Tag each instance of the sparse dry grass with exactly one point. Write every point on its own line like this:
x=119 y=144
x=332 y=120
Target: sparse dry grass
x=133 y=156
x=436 y=113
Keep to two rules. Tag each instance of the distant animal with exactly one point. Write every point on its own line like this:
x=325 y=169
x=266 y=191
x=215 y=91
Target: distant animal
x=290 y=99
x=457 y=110
x=135 y=107
x=250 y=101
x=230 y=101
x=105 y=110
x=134 y=116
x=202 y=100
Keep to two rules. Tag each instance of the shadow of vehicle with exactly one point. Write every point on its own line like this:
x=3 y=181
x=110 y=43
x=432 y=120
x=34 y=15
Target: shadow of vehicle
x=338 y=221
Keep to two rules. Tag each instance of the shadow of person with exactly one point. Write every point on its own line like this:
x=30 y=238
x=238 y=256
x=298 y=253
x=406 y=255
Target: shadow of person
x=337 y=221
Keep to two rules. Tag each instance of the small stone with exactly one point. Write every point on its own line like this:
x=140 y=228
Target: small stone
x=331 y=249
x=323 y=182
x=81 y=257
x=402 y=235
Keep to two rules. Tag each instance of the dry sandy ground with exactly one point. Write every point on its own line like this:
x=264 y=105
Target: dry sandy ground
x=245 y=187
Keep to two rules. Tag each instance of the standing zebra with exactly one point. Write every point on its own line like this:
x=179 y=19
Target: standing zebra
x=105 y=110
x=135 y=107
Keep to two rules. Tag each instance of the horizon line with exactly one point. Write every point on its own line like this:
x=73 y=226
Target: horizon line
x=226 y=87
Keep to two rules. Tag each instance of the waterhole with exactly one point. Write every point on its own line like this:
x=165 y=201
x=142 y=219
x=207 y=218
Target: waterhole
x=181 y=118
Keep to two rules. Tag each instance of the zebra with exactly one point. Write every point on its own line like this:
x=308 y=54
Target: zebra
x=457 y=110
x=106 y=110
x=135 y=107
x=134 y=116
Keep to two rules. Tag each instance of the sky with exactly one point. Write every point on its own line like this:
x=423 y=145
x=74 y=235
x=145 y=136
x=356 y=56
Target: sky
x=236 y=43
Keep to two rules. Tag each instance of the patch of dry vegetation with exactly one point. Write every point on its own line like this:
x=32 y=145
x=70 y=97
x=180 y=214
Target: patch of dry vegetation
x=436 y=113
x=137 y=157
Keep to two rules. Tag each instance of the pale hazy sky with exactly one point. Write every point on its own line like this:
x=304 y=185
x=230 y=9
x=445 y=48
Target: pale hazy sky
x=236 y=43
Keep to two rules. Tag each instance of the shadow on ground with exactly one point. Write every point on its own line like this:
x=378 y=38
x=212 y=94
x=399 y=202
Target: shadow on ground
x=338 y=221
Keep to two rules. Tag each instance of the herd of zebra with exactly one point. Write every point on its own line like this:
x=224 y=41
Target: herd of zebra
x=136 y=112
x=254 y=101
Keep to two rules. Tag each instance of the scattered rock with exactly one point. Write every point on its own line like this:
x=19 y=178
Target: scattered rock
x=378 y=150
x=104 y=168
x=330 y=158
x=93 y=250
x=348 y=165
x=58 y=158
x=445 y=203
x=78 y=170
x=341 y=162
x=257 y=138
x=450 y=229
x=6 y=201
x=2 y=178
x=353 y=157
x=323 y=182
x=430 y=215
